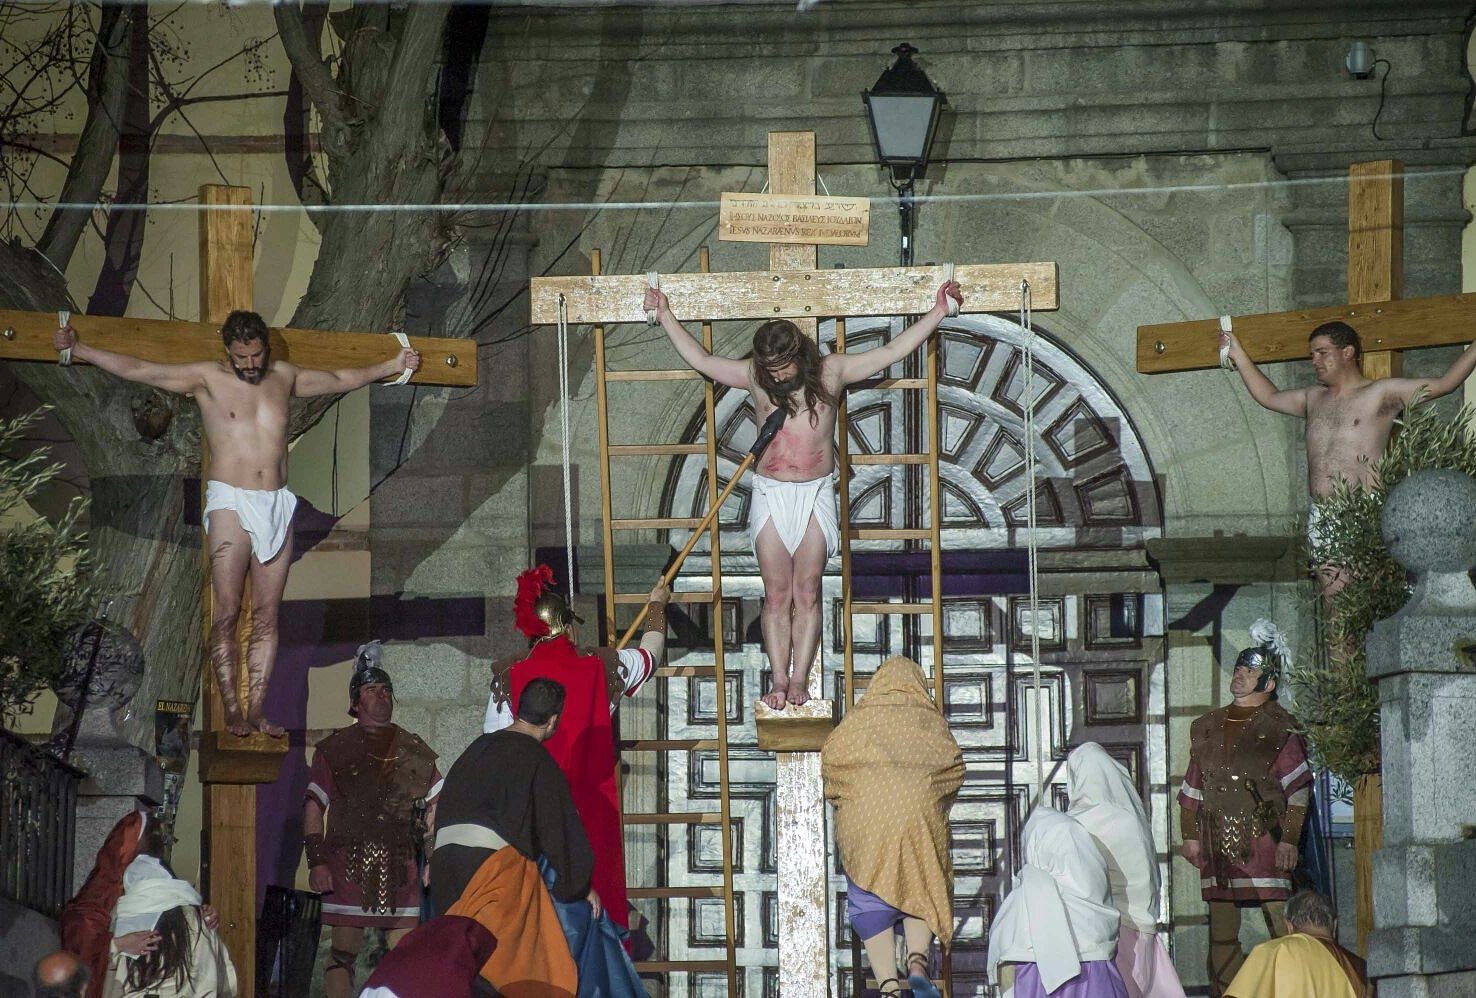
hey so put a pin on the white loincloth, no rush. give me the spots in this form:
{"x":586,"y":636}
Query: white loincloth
{"x":790,"y":505}
{"x":1317,"y":534}
{"x":265,"y":514}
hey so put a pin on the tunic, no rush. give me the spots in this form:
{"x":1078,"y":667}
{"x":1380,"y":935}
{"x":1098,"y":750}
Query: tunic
{"x":368,"y":780}
{"x":507,"y":781}
{"x":1235,"y":797}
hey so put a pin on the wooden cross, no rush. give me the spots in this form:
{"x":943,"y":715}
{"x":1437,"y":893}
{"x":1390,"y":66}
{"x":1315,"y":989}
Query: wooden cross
{"x":1386,"y":326}
{"x":231,"y":766}
{"x":794,"y":289}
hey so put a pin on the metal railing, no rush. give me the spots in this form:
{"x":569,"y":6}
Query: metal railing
{"x":38,"y":816}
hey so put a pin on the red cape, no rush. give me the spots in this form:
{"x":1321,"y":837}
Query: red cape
{"x":449,"y":950}
{"x":86,"y":920}
{"x":584,"y":748}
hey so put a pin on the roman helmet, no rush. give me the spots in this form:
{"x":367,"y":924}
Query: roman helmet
{"x":538,"y":610}
{"x":367,"y":670}
{"x":1269,"y":655}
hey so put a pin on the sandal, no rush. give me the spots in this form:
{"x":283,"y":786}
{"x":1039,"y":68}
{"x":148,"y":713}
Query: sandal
{"x":922,"y":986}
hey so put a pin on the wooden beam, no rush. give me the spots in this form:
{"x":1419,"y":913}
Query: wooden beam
{"x":228,"y":853}
{"x":1376,"y":247}
{"x":1273,"y":336}
{"x":27,"y":336}
{"x":800,"y":294}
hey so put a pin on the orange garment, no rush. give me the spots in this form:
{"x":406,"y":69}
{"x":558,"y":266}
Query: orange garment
{"x":86,"y":920}
{"x":507,"y":896}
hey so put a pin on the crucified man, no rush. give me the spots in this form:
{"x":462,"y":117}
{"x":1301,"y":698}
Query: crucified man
{"x":792,"y":520}
{"x":1349,"y":419}
{"x":243,"y":403}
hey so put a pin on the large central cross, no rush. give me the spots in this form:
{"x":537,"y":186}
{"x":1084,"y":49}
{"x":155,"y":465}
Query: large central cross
{"x":794,"y":289}
{"x":231,"y":767}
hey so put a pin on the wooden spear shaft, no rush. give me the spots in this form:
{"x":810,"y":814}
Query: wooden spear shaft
{"x":766,"y":434}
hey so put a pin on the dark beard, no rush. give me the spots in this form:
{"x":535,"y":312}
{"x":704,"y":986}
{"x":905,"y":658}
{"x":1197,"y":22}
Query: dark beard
{"x":251,"y":377}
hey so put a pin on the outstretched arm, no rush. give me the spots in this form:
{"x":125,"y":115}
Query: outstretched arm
{"x":1291,"y":401}
{"x":723,"y":370}
{"x":337,"y":382}
{"x":182,"y":378}
{"x":1455,"y":375}
{"x":855,"y":367}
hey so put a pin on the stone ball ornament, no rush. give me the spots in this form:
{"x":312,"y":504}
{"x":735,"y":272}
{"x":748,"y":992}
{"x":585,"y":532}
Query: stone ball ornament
{"x":117,"y":672}
{"x":1429,"y":521}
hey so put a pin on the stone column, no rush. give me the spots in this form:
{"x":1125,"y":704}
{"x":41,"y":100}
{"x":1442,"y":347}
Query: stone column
{"x":1421,"y":659}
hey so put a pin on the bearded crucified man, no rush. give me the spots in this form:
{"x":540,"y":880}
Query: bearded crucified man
{"x":1349,"y":419}
{"x":792,"y":520}
{"x":248,"y":512}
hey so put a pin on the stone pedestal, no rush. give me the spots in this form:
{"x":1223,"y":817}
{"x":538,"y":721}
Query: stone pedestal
{"x":1421,"y":658}
{"x":118,"y":774}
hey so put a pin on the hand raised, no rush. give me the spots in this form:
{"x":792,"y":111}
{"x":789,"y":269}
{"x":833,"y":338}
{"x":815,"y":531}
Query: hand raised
{"x":64,"y":338}
{"x":409,"y":360}
{"x":949,"y":289}
{"x":140,"y":943}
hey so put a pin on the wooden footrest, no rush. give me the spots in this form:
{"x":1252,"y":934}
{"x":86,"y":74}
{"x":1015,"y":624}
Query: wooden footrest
{"x":890,"y":534}
{"x":675,"y":671}
{"x":668,"y":744}
{"x":708,"y":891}
{"x":678,"y":966}
{"x":796,"y":728}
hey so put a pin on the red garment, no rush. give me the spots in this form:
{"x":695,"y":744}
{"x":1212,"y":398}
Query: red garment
{"x":449,"y":950}
{"x":584,"y":748}
{"x":87,"y":919}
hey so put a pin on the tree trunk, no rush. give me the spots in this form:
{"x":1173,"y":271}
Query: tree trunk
{"x":147,"y":559}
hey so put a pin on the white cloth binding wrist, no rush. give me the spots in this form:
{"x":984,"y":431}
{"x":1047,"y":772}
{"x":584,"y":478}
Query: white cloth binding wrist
{"x":62,"y":318}
{"x":405,"y":374}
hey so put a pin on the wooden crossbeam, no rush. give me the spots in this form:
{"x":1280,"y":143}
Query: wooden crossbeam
{"x":795,"y":294}
{"x":27,"y":336}
{"x":1274,"y":336}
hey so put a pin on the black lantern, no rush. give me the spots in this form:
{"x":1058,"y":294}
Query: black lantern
{"x":903,"y":108}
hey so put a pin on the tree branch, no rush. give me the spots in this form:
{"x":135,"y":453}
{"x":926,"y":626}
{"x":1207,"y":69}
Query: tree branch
{"x":98,"y":142}
{"x":306,"y":57}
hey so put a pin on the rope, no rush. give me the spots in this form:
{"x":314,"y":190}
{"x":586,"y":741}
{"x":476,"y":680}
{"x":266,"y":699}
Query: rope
{"x":948,"y":272}
{"x":1032,"y":546}
{"x":653,"y":280}
{"x":62,"y":318}
{"x":564,"y":436}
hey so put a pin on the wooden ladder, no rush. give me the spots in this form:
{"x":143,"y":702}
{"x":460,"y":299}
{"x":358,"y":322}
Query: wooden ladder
{"x":932,"y":535}
{"x":713,"y":598}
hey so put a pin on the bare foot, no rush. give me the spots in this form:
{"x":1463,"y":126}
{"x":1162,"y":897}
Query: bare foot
{"x":799,"y":686}
{"x":775,"y":698}
{"x":268,"y":728}
{"x":237,"y":725}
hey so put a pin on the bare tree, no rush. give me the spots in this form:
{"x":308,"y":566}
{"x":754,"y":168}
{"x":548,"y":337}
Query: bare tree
{"x":376,"y":109}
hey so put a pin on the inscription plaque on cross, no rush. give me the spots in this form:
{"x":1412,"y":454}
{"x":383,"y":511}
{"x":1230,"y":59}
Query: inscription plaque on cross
{"x":231,"y":766}
{"x":794,"y":289}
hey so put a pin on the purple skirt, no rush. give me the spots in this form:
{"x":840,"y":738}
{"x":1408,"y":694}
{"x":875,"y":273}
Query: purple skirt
{"x":868,"y":913}
{"x":1098,"y":979}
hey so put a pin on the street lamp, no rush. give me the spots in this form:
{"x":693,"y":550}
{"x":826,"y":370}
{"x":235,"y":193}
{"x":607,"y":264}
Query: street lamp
{"x":903,"y":108}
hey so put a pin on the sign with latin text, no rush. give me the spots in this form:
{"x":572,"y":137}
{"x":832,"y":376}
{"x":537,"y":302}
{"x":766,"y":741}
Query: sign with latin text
{"x":786,"y":218}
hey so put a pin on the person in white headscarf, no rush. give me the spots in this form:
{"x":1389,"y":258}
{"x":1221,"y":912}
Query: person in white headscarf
{"x":1105,"y":803}
{"x":1057,"y":929}
{"x":162,"y":946}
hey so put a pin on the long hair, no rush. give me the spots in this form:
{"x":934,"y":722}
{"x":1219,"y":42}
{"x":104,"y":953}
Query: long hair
{"x":171,"y":962}
{"x":777,"y":343}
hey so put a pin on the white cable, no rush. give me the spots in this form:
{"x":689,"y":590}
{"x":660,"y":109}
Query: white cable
{"x":62,"y":319}
{"x":1032,"y":546}
{"x":948,"y":272}
{"x":653,"y":281}
{"x":564,"y":435}
{"x":405,"y":343}
{"x":1225,"y":361}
